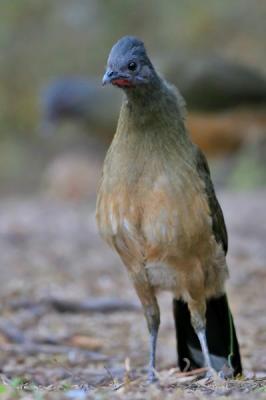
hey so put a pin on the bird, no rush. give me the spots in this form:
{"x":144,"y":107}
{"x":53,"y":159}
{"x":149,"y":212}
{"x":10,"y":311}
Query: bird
{"x":156,"y":207}
{"x":77,"y":98}
{"x":212,"y":83}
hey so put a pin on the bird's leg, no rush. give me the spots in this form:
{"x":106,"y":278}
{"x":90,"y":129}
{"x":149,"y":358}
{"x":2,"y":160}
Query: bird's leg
{"x":197,"y":306}
{"x":198,"y":321}
{"x":153,"y":321}
{"x":204,"y":347}
{"x":152,"y":313}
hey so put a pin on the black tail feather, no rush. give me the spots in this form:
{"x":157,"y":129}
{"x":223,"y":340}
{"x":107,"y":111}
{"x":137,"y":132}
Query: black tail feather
{"x":221,"y":337}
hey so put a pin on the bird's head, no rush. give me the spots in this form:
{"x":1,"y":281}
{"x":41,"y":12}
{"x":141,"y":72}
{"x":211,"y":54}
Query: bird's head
{"x":128,"y":65}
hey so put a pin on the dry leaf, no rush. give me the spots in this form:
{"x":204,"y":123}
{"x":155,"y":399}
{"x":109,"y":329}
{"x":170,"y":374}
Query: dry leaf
{"x":85,"y":342}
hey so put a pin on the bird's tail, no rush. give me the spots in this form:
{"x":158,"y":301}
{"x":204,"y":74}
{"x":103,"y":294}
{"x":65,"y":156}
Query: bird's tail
{"x":221,"y":337}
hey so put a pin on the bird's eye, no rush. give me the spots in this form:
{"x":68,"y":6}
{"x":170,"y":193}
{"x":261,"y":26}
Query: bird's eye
{"x":132,"y":66}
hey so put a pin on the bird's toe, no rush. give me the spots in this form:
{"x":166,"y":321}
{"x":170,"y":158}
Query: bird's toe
{"x":151,"y":378}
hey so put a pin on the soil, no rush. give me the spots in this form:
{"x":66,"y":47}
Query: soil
{"x":51,"y":253}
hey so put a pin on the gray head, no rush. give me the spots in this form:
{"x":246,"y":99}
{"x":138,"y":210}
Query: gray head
{"x":128,"y":65}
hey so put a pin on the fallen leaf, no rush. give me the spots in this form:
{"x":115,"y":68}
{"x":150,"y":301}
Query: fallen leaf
{"x":85,"y":342}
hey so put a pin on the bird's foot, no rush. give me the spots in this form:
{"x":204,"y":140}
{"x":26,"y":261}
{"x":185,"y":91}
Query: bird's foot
{"x":151,"y":378}
{"x":226,"y":373}
{"x":212,"y":374}
{"x":222,"y":375}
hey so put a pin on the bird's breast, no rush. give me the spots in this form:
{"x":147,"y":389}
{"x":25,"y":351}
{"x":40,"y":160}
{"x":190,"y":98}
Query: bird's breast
{"x":152,"y":221}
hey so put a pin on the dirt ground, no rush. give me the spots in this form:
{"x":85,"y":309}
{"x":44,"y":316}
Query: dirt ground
{"x":53,"y":260}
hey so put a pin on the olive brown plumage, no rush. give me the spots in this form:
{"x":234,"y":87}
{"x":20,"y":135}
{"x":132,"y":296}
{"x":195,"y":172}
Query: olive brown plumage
{"x":157,"y":208}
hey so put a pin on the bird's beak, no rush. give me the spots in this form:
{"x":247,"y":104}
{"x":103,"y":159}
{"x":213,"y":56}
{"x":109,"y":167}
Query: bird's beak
{"x":119,"y":79}
{"x":109,"y":76}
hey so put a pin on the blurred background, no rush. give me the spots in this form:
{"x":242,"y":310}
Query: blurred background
{"x":214,"y":51}
{"x":56,"y":122}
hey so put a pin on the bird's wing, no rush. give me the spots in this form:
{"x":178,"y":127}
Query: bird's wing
{"x":218,"y":224}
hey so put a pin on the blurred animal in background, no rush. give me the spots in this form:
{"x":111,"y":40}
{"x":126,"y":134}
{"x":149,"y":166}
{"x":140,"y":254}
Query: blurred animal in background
{"x":216,"y":84}
{"x":226,"y":100}
{"x":82,"y":100}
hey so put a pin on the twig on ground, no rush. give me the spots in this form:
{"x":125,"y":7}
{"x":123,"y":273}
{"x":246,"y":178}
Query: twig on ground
{"x":90,"y":305}
{"x":29,"y":348}
{"x":194,"y":372}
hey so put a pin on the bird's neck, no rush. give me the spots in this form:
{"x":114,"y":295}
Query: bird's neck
{"x":146,"y":96}
{"x":150,"y":137}
{"x":154,"y":113}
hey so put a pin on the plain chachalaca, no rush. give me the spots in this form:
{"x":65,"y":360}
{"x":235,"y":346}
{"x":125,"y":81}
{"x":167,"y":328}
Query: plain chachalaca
{"x":82,"y":100}
{"x":211,"y":83}
{"x":157,"y":208}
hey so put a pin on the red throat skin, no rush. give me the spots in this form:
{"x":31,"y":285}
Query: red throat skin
{"x":120,"y":82}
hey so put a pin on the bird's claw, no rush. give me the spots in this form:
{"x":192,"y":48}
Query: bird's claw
{"x":211,"y":374}
{"x":151,"y":378}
